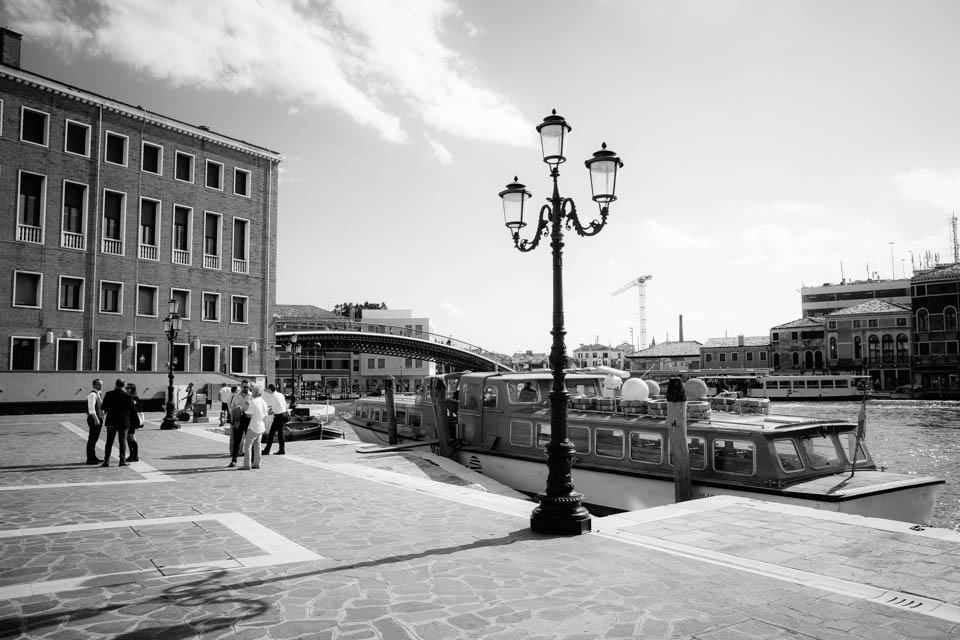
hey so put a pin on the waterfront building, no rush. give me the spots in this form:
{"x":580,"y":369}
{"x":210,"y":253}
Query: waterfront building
{"x":111,"y":211}
{"x":798,"y":346}
{"x":408,"y":372}
{"x":314,"y":371}
{"x":529,"y":361}
{"x":816,"y":302}
{"x":936,"y":300}
{"x":596,"y":355}
{"x":740,"y":352}
{"x":666,"y":359}
{"x":871,"y":338}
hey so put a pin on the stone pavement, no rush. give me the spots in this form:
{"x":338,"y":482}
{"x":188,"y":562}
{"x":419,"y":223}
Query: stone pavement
{"x":328,"y":543}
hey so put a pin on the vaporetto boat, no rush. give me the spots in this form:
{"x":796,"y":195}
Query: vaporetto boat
{"x":623,"y":459}
{"x":811,"y":387}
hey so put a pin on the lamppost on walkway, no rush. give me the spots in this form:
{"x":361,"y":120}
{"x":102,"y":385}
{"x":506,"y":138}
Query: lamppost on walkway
{"x":560,"y":510}
{"x":171,"y":326}
{"x":295,"y":348}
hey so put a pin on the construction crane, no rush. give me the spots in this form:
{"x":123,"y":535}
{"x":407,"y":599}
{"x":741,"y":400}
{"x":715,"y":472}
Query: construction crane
{"x":641,"y":284}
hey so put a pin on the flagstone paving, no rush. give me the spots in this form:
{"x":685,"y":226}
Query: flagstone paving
{"x":329,"y":543}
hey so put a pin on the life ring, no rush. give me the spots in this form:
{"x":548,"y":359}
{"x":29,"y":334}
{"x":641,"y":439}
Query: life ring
{"x":753,"y":405}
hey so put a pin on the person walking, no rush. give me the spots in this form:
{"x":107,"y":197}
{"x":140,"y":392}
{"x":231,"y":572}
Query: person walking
{"x":238,"y":420}
{"x":224,"y":396}
{"x":119,"y":406}
{"x":256,"y":412}
{"x":278,"y":405}
{"x":94,"y":421}
{"x":135,"y":423}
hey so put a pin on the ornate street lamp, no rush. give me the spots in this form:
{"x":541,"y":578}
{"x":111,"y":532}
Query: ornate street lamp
{"x":172,"y":325}
{"x":560,"y":510}
{"x":295,"y":348}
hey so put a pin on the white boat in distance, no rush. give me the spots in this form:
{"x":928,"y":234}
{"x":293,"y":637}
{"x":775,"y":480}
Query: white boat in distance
{"x":500,"y":424}
{"x":844,"y":386}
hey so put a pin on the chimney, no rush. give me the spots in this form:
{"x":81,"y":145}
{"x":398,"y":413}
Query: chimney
{"x":681,"y":327}
{"x":740,"y":340}
{"x":10,"y":48}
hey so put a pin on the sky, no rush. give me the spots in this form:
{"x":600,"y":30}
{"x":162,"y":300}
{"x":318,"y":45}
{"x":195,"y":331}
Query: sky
{"x":767,"y":145}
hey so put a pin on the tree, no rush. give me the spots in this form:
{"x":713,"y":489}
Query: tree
{"x":354,"y":310}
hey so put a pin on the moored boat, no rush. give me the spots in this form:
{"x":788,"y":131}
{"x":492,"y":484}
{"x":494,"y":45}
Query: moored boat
{"x":623,"y":459}
{"x":811,"y":387}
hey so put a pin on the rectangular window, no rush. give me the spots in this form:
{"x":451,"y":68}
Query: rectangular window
{"x":709,"y":357}
{"x":182,"y":296}
{"x":211,"y":240}
{"x":209,"y":355}
{"x":238,"y":309}
{"x":733,"y":456}
{"x":68,"y":355}
{"x":734,"y":356}
{"x":609,"y":443}
{"x":74,"y":214}
{"x":151,"y":158}
{"x":184,"y":167}
{"x":108,"y":355}
{"x":34,"y":126}
{"x":872,"y":323}
{"x":832,"y":324}
{"x":31,"y":203}
{"x":115,"y":149}
{"x":856,"y":324}
{"x":521,"y":433}
{"x":901,"y":322}
{"x":646,"y":447}
{"x":241,"y":245}
{"x":763,"y":356}
{"x":147,"y":300}
{"x":76,"y":138}
{"x":71,"y":293}
{"x":24,"y":353}
{"x":749,"y":356}
{"x":580,"y":437}
{"x":238,"y":359}
{"x":111,"y":297}
{"x":181,"y":235}
{"x":723,"y":357}
{"x":149,"y":223}
{"x":381,"y":363}
{"x":241,"y":182}
{"x":144,"y":355}
{"x":27,"y":289}
{"x":114,"y":211}
{"x":214,"y":175}
{"x":370,"y":363}
{"x":211,"y":307}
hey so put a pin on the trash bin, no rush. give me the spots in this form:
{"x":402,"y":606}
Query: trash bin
{"x":199,"y":411}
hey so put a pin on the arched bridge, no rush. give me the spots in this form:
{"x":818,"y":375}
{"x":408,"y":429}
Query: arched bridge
{"x":394,"y":341}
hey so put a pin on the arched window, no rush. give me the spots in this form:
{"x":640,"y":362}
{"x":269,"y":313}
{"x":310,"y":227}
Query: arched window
{"x":796,"y":360}
{"x":857,"y":348}
{"x":818,"y":359}
{"x":887,"y":348}
{"x":808,"y":360}
{"x":923,"y":320}
{"x":873,"y":346}
{"x":902,"y":353}
{"x":950,"y":319}
{"x":833,"y":348}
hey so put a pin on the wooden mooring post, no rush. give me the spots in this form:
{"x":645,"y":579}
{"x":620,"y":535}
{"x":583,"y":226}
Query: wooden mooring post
{"x":677,"y":423}
{"x":391,"y":411}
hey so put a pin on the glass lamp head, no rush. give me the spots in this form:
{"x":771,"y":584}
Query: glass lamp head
{"x":514,"y":197}
{"x":553,"y":133}
{"x":603,"y":168}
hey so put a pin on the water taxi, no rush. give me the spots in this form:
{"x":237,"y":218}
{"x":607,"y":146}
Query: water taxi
{"x":499,"y":424}
{"x":811,"y":387}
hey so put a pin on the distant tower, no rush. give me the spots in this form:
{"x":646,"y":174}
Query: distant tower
{"x":953,"y":238}
{"x":641,"y":284}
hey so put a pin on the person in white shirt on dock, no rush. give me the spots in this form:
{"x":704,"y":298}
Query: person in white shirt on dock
{"x":257,"y":410}
{"x":278,"y":405}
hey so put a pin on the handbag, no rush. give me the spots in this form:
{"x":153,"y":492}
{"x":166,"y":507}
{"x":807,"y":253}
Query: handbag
{"x":140,"y":418}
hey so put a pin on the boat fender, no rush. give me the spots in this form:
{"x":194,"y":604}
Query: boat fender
{"x":698,"y":409}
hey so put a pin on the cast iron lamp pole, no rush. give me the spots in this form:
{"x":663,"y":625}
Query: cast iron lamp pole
{"x":560,"y":511}
{"x":294,"y":352}
{"x":171,"y":326}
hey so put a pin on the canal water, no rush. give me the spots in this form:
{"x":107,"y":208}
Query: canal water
{"x":919,"y":437}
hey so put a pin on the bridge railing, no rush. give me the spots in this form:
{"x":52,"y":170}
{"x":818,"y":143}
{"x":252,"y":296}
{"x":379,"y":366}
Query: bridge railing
{"x":346,"y":324}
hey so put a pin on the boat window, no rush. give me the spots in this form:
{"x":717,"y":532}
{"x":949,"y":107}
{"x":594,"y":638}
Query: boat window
{"x":826,"y":384}
{"x":813,"y":384}
{"x":543,"y":435}
{"x":770,"y":384}
{"x":842,"y":384}
{"x":401,"y":418}
{"x":470,"y":396}
{"x":646,"y":447}
{"x":799,"y":384}
{"x":788,"y":456}
{"x":847,"y":442}
{"x":609,"y":443}
{"x":580,"y":437}
{"x":490,"y":397}
{"x":415,"y":419}
{"x":697,"y":448}
{"x":821,"y":451}
{"x":582,"y":388}
{"x":524,"y":392}
{"x":375,"y":415}
{"x":733,"y":456}
{"x":364,"y":413}
{"x":784,"y":384}
{"x":521,"y":433}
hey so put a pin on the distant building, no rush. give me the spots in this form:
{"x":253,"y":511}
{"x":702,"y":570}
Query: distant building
{"x":798,"y":346}
{"x":663,"y":360}
{"x":317,"y":370}
{"x":408,"y":372}
{"x":816,"y":302}
{"x":740,"y":352}
{"x":872,"y":338}
{"x":597,"y":355}
{"x":936,"y":299}
{"x":528,"y":361}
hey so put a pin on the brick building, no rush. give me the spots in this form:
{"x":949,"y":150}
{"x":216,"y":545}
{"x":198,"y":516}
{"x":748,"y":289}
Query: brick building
{"x":740,"y":352}
{"x":110,"y":211}
{"x":871,"y":338}
{"x":936,"y":337}
{"x":798,"y":346}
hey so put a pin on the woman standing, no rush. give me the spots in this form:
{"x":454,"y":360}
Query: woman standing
{"x":135,"y":424}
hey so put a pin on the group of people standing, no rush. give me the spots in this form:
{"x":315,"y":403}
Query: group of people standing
{"x":251,"y":411}
{"x":119,"y":411}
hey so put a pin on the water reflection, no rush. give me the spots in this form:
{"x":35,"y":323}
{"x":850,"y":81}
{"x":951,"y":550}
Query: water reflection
{"x":918,"y":437}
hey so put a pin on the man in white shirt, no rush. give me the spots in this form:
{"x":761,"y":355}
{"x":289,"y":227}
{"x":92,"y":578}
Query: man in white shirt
{"x":224,"y":396}
{"x":94,"y":421}
{"x":278,"y":405}
{"x":256,"y":411}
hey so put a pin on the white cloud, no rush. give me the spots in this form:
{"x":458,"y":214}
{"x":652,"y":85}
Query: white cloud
{"x":366,"y":59}
{"x":453,"y":309}
{"x":438,"y":151}
{"x":941,"y":189}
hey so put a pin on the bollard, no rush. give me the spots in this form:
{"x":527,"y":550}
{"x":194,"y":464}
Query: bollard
{"x":677,"y":423}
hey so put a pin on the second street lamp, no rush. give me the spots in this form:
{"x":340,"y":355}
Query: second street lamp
{"x":560,"y":510}
{"x":295,"y":348}
{"x":172,"y":325}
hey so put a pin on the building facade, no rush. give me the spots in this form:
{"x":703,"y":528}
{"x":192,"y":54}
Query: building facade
{"x":798,"y":346}
{"x":871,"y":338}
{"x":111,"y":211}
{"x":936,"y":300}
{"x":597,"y":355}
{"x":740,"y":352}
{"x":306,"y":369}
{"x":407,"y":372}
{"x":817,"y":302}
{"x":666,"y":359}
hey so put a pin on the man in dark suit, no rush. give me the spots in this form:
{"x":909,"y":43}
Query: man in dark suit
{"x":119,"y":406}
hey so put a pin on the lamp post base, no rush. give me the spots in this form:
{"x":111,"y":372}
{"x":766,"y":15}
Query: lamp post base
{"x":560,"y":516}
{"x":169,"y":423}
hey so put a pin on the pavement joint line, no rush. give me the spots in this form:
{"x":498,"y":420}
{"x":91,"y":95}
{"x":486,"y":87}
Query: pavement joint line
{"x":918,"y":604}
{"x":279,"y":550}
